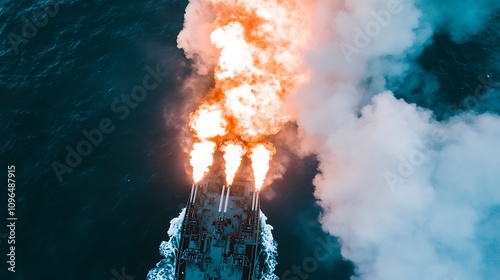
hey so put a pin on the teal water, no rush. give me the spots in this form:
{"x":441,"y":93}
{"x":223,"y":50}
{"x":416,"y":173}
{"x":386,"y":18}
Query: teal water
{"x":113,"y":210}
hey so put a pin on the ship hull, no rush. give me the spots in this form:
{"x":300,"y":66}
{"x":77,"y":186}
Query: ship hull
{"x":220,"y":233}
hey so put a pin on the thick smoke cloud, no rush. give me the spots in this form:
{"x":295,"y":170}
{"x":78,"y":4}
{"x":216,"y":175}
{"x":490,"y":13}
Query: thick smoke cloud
{"x":409,"y":197}
{"x":194,"y":38}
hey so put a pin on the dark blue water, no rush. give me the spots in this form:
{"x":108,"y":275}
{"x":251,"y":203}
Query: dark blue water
{"x":113,"y":210}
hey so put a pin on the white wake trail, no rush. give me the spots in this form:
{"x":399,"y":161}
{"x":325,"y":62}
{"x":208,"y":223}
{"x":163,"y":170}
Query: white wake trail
{"x":268,"y":251}
{"x":165,"y":269}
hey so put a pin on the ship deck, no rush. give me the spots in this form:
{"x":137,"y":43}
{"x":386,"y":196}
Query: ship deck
{"x":219,"y":245}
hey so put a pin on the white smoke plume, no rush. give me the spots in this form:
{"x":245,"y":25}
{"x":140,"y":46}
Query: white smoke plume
{"x":194,"y":38}
{"x":409,"y":197}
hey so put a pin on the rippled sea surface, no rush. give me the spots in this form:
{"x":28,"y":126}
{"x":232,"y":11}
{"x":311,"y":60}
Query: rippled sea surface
{"x":111,"y":212}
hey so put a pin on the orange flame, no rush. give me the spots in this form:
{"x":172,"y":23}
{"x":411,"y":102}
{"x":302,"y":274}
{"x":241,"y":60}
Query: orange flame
{"x":260,"y":43}
{"x":208,"y":121}
{"x":261,"y":156}
{"x":233,"y":153}
{"x":201,"y":159}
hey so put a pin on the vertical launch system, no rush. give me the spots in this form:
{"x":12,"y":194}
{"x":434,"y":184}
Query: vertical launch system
{"x":220,"y":232}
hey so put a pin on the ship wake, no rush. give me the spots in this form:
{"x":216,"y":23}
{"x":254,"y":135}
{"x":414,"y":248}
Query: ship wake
{"x":268,"y":251}
{"x":165,"y":269}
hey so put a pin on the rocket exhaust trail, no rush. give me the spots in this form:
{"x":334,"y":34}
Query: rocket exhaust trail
{"x":258,"y":46}
{"x":257,"y":53}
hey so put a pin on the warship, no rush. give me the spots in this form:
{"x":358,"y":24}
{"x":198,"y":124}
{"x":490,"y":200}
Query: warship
{"x":220,"y":232}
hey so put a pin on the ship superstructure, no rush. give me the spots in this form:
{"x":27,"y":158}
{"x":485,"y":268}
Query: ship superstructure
{"x":220,"y":232}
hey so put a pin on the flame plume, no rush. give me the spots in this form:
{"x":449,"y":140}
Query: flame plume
{"x":261,"y":156}
{"x":201,"y":159}
{"x":208,"y":121}
{"x":233,"y":153}
{"x":259,"y":43}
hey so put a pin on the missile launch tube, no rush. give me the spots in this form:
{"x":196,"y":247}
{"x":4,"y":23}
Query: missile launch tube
{"x":221,"y":198}
{"x":257,"y":201}
{"x":227,"y":198}
{"x":253,"y":200}
{"x":191,"y":195}
{"x":195,"y":192}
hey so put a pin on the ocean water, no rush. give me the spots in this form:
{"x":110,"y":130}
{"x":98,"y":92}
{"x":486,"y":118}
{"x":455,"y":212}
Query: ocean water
{"x":109,"y":215}
{"x":113,"y":209}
